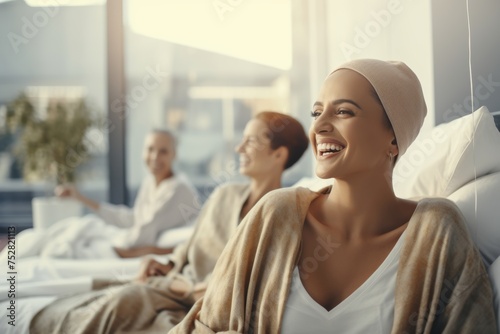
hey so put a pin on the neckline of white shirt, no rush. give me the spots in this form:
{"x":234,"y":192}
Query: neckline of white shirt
{"x":358,"y":293}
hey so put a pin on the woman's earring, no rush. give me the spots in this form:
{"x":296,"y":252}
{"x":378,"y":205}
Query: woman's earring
{"x":390,"y":156}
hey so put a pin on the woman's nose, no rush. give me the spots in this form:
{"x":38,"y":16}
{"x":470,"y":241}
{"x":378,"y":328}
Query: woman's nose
{"x":153,"y":155}
{"x":322,"y":124}
{"x":239,"y":147}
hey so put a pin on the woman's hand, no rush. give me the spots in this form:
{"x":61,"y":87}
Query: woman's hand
{"x":151,"y":267}
{"x":140,"y":251}
{"x":70,"y":191}
{"x":67,"y":190}
{"x":199,"y":290}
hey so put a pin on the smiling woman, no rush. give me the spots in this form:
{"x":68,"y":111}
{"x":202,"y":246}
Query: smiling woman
{"x":276,"y":130}
{"x":272,"y":142}
{"x":351,"y":258}
{"x":159,"y":153}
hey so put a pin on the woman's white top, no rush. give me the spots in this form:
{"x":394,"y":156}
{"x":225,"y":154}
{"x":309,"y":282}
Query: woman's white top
{"x":369,"y":309}
{"x":156,"y":209}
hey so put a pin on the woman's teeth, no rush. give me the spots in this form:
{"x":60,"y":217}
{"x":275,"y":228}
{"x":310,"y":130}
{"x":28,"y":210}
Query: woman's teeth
{"x":327,"y":149}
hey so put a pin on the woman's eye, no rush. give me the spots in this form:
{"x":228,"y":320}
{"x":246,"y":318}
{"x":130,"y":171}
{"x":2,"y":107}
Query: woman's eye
{"x":345,"y":112}
{"x":250,"y":142}
{"x":315,"y":114}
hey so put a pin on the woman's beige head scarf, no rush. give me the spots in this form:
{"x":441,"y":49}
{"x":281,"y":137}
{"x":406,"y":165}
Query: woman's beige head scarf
{"x":399,"y":91}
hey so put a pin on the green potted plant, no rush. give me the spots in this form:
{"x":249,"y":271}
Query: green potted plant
{"x":50,"y":147}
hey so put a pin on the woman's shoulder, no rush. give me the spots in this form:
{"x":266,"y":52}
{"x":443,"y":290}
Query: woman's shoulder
{"x":292,"y":199}
{"x":181,"y":180}
{"x":230,"y":188}
{"x":280,"y":210}
{"x":439,"y":206}
{"x":437,"y":214}
{"x":228,"y":191}
{"x":287,"y":194}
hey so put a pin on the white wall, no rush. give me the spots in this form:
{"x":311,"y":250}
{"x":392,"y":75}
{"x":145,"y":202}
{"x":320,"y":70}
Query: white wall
{"x":432,"y":38}
{"x":451,"y":63}
{"x":33,"y":51}
{"x":384,"y":29}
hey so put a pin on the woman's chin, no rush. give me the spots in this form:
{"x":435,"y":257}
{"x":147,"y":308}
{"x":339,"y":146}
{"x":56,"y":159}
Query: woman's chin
{"x":161,"y":175}
{"x":324,"y":174}
{"x":248,"y":172}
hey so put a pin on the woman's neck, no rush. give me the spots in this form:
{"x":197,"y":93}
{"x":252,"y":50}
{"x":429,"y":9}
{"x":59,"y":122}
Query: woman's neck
{"x":362,"y":207}
{"x":258,"y":188}
{"x":159,"y":179}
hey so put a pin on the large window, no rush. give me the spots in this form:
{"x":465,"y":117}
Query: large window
{"x":203,"y":69}
{"x":50,"y":54}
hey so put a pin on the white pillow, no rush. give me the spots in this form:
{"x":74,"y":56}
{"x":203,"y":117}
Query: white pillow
{"x":441,"y":162}
{"x":485,"y":227}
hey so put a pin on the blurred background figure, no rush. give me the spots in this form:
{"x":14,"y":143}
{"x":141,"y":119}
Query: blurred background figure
{"x":124,"y":231}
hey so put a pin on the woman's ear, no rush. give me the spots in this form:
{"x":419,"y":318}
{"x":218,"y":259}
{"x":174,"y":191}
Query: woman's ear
{"x":395,"y":150}
{"x":281,"y":153}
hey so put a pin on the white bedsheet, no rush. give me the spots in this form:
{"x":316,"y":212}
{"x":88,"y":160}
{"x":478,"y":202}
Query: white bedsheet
{"x":45,"y":276}
{"x":26,"y":308}
{"x":52,"y":288}
{"x":36,"y":269}
{"x":57,"y":277}
{"x":70,"y":238}
{"x":41,"y":280}
{"x":85,"y":237}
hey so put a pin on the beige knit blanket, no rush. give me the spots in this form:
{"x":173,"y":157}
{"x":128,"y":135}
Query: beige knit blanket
{"x":154,"y":307}
{"x":442,"y":285}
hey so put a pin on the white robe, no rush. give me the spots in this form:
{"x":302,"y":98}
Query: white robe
{"x":156,"y":209}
